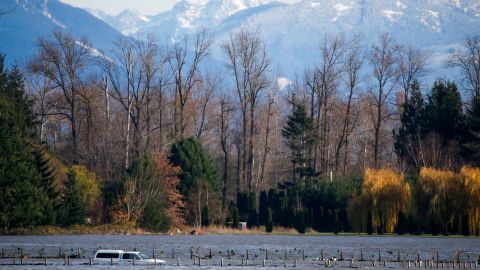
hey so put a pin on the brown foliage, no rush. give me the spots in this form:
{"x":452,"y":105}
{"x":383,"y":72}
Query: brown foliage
{"x":168,"y":177}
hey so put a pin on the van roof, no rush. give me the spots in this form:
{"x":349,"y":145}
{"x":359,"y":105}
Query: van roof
{"x":110,"y":250}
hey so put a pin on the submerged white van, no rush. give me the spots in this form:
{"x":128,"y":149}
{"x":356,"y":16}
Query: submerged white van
{"x":120,"y":256}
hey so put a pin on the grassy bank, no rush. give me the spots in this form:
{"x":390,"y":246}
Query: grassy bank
{"x":109,"y":229}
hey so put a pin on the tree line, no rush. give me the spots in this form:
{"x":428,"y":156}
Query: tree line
{"x":153,"y":135}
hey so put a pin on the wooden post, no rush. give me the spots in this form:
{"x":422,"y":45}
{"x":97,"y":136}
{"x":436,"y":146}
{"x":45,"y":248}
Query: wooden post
{"x":303,"y":254}
{"x":221,"y":262}
{"x":361,"y":255}
{"x":264,"y":263}
{"x":21,"y":252}
{"x":178,"y":261}
{"x":191,"y":254}
{"x":210,"y":255}
{"x":21,"y":260}
{"x":285,"y":254}
{"x":66,"y":262}
{"x":111,"y":261}
{"x":199,"y":261}
{"x":351,"y":262}
{"x":153,"y":252}
{"x":173,"y":254}
{"x":398,"y":255}
{"x":408,"y":264}
{"x":341,"y":254}
{"x":285,"y":263}
{"x":321,"y":253}
{"x":295,"y":263}
{"x":59,"y":253}
{"x":266,"y":254}
{"x":242,"y":263}
{"x":247,"y":254}
{"x":78,"y":253}
{"x":379,"y":256}
{"x":45,"y":260}
{"x":133,"y":260}
{"x":385,"y":263}
{"x":90,"y":260}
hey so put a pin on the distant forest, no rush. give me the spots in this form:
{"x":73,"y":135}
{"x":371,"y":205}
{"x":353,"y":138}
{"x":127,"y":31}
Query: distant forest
{"x":153,"y":136}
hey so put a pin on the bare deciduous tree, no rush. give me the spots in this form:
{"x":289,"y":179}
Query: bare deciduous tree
{"x":468,"y":61}
{"x":384,"y":61}
{"x":248,"y":61}
{"x":63,"y":60}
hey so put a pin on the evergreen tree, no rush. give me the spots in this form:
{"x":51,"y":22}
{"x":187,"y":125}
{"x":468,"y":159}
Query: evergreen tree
{"x":205,"y":216}
{"x":471,"y":144}
{"x":196,"y":166}
{"x":412,"y":124}
{"x":262,"y":208}
{"x":252,"y":214}
{"x":300,"y":222}
{"x":269,"y":221}
{"x":155,"y":218}
{"x":23,"y":198}
{"x":444,"y":112}
{"x":298,"y":133}
{"x":73,"y":211}
{"x":235,"y":218}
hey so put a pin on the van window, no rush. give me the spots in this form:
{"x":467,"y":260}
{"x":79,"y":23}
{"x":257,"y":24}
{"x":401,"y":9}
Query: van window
{"x":127,"y":256}
{"x":105,"y":255}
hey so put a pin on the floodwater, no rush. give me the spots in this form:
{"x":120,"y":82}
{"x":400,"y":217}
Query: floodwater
{"x":242,"y":251}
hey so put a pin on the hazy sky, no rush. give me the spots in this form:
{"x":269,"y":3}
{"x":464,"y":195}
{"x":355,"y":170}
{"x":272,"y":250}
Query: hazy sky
{"x":149,"y":7}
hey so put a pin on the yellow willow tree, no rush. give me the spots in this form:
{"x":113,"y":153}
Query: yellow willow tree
{"x":440,"y":200}
{"x":385,"y":193}
{"x":471,"y":181}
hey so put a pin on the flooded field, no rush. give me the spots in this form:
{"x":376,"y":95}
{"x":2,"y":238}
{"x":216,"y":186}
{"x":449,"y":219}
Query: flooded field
{"x":243,"y":252}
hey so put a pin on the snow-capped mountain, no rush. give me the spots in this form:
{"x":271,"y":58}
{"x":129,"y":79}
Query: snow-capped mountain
{"x":293,"y":32}
{"x":185,"y":16}
{"x":32,"y":19}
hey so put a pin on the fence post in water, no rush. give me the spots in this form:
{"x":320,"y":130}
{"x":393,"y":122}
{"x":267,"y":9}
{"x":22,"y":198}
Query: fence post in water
{"x":221,"y":262}
{"x":65,"y":260}
{"x":285,"y":263}
{"x":191,"y":254}
{"x":385,"y":263}
{"x":45,"y":260}
{"x":90,"y":260}
{"x":285,"y":254}
{"x":321,"y":253}
{"x":398,"y":255}
{"x":379,"y":256}
{"x":173,"y":254}
{"x":133,"y":260}
{"x":78,"y":253}
{"x":178,"y":261}
{"x":21,"y":252}
{"x":361,"y":255}
{"x":264,"y":263}
{"x":295,"y":263}
{"x":341,"y":254}
{"x":303,"y":254}
{"x":210,"y":255}
{"x":59,"y":253}
{"x":247,"y":254}
{"x":153,"y":252}
{"x":111,"y":261}
{"x":266,"y":254}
